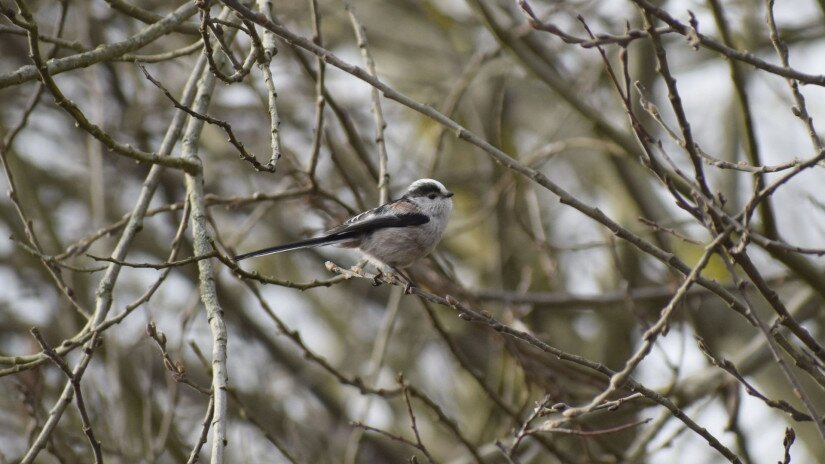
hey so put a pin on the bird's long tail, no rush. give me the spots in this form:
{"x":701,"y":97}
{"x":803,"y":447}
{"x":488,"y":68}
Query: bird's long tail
{"x":308,"y":243}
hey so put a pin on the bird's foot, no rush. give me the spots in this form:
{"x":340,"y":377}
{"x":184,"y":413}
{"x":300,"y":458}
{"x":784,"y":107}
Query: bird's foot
{"x":401,"y":277}
{"x":358,"y":267}
{"x":376,"y":281}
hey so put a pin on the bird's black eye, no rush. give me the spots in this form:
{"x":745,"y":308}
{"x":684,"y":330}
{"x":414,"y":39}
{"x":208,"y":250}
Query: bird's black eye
{"x":431,"y":196}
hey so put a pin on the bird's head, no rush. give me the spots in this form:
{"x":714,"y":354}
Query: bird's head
{"x":431,"y":196}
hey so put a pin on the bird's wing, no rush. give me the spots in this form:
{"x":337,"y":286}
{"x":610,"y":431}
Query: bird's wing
{"x":352,"y":229}
{"x":399,"y":213}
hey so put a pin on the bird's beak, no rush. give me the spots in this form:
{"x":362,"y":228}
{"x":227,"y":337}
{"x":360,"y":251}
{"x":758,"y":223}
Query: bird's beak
{"x":448,"y":194}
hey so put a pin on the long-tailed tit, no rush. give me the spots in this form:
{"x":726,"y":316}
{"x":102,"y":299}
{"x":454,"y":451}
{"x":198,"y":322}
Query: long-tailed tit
{"x":395,"y":234}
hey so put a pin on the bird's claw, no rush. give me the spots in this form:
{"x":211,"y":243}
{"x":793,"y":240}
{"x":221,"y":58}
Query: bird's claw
{"x":392,"y":278}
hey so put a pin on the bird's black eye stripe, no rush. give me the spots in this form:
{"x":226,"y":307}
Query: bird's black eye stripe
{"x":425,"y":190}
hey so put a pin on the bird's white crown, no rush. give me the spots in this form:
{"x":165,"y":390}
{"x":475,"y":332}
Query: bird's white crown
{"x":433,"y":182}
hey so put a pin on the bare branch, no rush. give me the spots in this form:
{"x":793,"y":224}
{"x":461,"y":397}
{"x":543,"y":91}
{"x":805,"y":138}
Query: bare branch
{"x":74,"y":378}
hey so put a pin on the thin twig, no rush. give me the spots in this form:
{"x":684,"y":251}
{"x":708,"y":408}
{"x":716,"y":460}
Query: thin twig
{"x":377,"y":112}
{"x":742,"y":259}
{"x":227,"y":260}
{"x":204,"y":28}
{"x":159,"y":57}
{"x":751,"y":144}
{"x":730,"y":368}
{"x":295,"y":337}
{"x":389,"y":435}
{"x":148,"y":16}
{"x":180,"y":262}
{"x":522,"y":433}
{"x":596,"y":40}
{"x":374,"y":367}
{"x":787,"y":442}
{"x":269,"y":51}
{"x":320,"y":99}
{"x":418,"y":443}
{"x":70,"y":44}
{"x":451,"y":424}
{"x":28,"y":225}
{"x":697,"y":38}
{"x":74,"y":378}
{"x":656,"y":226}
{"x":207,"y":420}
{"x":589,"y":433}
{"x":176,"y":368}
{"x":218,"y":122}
{"x":676,"y":103}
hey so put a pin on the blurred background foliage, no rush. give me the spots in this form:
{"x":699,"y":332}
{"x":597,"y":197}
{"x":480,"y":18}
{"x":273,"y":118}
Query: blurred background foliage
{"x":511,"y":248}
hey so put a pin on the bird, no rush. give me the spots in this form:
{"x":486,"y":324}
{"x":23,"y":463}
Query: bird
{"x":392,"y":236}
